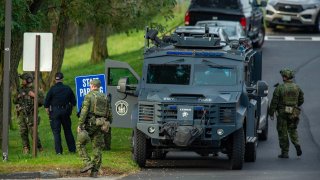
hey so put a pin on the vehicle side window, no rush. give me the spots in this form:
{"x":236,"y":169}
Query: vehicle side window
{"x":114,"y":74}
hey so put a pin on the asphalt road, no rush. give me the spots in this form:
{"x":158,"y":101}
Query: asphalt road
{"x":287,"y":50}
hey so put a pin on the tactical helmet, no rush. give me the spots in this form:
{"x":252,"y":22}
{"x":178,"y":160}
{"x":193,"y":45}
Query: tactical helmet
{"x":26,"y":76}
{"x":83,"y":137}
{"x":287,"y":73}
{"x":96,"y":82}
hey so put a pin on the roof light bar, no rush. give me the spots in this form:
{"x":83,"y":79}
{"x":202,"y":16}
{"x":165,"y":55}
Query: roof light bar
{"x":200,"y":54}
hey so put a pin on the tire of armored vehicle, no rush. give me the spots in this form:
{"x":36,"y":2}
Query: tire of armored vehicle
{"x":139,"y":147}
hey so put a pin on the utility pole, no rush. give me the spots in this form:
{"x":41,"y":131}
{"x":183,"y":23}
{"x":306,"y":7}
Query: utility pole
{"x":6,"y":81}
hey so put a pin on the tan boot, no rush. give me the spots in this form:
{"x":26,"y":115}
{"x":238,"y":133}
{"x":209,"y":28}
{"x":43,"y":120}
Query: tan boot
{"x":40,"y":149}
{"x":26,"y":150}
{"x":86,"y":168}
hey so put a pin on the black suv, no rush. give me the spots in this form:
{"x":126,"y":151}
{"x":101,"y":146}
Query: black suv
{"x":247,"y":12}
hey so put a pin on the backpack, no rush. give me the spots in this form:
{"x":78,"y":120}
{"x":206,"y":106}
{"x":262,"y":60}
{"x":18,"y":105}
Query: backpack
{"x":290,"y":94}
{"x":99,"y":104}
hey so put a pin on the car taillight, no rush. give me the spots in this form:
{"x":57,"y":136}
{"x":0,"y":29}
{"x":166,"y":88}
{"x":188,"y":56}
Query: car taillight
{"x":187,"y":19}
{"x":243,"y":22}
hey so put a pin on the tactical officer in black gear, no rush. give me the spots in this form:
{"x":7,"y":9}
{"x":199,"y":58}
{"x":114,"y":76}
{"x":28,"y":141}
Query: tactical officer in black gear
{"x":59,"y":103}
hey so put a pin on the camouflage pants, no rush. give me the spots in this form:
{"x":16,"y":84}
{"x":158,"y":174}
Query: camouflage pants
{"x":286,"y":128}
{"x":96,"y":136}
{"x":25,"y":123}
{"x":107,"y":139}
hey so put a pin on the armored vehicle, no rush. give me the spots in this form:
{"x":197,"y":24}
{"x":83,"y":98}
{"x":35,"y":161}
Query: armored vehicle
{"x":198,"y":92}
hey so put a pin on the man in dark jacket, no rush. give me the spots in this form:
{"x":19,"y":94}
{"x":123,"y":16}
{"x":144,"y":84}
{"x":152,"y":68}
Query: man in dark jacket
{"x":59,"y":103}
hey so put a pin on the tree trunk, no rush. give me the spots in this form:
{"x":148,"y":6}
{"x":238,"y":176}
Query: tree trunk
{"x":99,"y":49}
{"x":59,"y":33}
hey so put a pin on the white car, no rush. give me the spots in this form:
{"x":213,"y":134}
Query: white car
{"x":298,"y":13}
{"x":233,"y":29}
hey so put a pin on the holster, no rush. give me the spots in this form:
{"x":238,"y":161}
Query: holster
{"x":295,"y":113}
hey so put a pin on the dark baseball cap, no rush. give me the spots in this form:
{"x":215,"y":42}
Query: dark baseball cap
{"x":59,"y":76}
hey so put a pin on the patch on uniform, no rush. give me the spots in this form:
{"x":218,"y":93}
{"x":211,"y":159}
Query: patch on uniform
{"x":121,"y":107}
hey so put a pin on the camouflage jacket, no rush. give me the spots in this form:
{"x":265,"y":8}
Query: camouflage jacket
{"x":24,"y":102}
{"x":87,"y":109}
{"x":280,"y":97}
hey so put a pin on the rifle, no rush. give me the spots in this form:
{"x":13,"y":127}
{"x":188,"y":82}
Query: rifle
{"x":22,"y":106}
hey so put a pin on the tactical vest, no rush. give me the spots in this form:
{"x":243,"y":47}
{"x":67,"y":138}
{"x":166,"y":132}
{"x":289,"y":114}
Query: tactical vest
{"x":290,"y":94}
{"x":26,"y":101}
{"x":99,"y":104}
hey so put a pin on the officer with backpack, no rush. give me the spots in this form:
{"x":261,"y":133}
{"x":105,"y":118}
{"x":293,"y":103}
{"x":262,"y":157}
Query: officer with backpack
{"x":94,"y":121}
{"x":287,"y":98}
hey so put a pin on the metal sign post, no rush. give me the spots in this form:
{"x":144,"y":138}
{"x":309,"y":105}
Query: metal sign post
{"x":35,"y":104}
{"x":37,"y":56}
{"x":6,"y":82}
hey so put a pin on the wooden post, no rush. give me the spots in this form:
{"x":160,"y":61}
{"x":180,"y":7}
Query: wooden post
{"x":35,"y":110}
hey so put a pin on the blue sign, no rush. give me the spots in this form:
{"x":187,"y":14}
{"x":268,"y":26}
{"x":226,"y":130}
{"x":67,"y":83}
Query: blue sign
{"x":83,"y":86}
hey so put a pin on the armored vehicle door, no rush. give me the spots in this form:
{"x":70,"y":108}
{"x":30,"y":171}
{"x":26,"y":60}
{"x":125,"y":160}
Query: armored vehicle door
{"x":122,"y":82}
{"x":256,"y":71}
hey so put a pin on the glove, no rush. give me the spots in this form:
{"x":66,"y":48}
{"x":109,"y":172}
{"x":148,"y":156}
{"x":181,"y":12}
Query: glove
{"x":272,"y":118}
{"x":78,"y":129}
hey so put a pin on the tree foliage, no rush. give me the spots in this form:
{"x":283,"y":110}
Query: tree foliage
{"x":106,"y":16}
{"x":110,"y":16}
{"x":26,"y":17}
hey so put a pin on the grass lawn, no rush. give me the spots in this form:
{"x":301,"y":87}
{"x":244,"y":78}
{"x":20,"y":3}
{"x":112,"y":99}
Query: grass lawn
{"x":123,"y":47}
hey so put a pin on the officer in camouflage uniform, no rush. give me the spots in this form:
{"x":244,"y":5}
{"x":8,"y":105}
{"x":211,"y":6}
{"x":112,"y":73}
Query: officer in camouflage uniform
{"x":93,"y":122}
{"x":24,"y":100}
{"x":287,"y":98}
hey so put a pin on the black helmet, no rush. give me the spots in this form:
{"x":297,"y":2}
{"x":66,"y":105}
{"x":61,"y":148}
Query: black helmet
{"x":26,"y":76}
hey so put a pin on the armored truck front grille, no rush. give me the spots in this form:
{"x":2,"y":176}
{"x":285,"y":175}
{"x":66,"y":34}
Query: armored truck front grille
{"x":146,"y":112}
{"x":227,"y":113}
{"x":206,"y":113}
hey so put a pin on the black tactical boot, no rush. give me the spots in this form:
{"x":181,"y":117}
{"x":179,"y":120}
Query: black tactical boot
{"x":298,"y":148}
{"x":86,"y":168}
{"x":94,"y":174}
{"x":283,"y":156}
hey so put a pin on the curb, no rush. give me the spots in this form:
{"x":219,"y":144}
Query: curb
{"x":31,"y":175}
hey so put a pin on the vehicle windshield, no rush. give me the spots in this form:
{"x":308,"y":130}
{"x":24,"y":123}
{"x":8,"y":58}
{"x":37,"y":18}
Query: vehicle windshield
{"x":214,"y":75}
{"x":229,"y":29}
{"x":178,"y":74}
{"x":220,"y":4}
